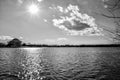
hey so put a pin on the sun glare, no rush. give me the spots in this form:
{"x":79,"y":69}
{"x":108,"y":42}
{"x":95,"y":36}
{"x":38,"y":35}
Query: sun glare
{"x":33,"y":9}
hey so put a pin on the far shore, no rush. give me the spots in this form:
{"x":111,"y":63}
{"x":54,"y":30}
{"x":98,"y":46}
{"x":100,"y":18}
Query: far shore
{"x":44,"y":45}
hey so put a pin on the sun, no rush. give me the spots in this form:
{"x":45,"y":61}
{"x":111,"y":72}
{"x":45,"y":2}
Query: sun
{"x":33,"y":9}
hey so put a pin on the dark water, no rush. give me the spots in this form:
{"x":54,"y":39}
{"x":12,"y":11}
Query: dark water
{"x":60,"y":63}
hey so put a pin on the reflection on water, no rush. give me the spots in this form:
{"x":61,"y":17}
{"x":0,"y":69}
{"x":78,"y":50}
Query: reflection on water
{"x":31,"y":65}
{"x":60,"y":64}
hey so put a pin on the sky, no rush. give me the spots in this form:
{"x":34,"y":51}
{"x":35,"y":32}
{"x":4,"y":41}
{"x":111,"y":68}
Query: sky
{"x":55,"y":21}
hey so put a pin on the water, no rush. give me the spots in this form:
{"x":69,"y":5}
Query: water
{"x":60,"y":63}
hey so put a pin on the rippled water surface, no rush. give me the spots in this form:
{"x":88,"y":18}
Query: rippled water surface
{"x":60,"y":63}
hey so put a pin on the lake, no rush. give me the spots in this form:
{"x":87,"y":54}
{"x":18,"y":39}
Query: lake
{"x":71,"y":63}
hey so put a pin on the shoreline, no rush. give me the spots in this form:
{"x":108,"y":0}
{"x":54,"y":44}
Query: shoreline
{"x":24,"y":46}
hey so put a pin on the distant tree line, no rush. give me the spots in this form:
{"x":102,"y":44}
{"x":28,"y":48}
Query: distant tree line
{"x":68,"y":45}
{"x":18,"y":43}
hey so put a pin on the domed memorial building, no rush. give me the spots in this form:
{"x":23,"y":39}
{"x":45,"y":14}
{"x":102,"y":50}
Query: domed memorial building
{"x":15,"y":43}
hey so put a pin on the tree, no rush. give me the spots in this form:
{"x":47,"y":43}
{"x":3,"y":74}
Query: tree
{"x":113,"y":7}
{"x":2,"y":45}
{"x":15,"y":43}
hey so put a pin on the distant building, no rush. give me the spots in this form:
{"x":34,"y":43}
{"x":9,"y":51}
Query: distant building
{"x":14,"y":43}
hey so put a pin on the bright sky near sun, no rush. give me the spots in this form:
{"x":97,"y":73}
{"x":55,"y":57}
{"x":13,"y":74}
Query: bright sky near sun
{"x":55,"y":21}
{"x":33,"y":9}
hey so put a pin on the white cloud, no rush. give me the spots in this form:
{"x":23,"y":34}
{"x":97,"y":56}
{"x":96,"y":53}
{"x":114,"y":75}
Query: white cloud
{"x":105,"y":6}
{"x":105,"y":0}
{"x":6,"y":38}
{"x":45,"y":20}
{"x":20,"y":38}
{"x":73,"y":14}
{"x":20,"y":1}
{"x":62,"y":39}
{"x":58,"y":40}
{"x":39,"y":0}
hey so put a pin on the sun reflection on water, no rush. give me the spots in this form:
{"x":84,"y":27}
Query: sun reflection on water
{"x":32,"y":66}
{"x":31,"y":50}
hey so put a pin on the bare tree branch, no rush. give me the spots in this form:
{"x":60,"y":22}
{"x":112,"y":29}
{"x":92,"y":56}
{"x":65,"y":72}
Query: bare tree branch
{"x":116,"y":4}
{"x":114,"y":17}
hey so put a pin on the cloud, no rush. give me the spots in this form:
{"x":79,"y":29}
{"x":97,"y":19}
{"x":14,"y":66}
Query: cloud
{"x":39,"y":0}
{"x":62,"y":39}
{"x":20,"y":38}
{"x":75,"y":23}
{"x":20,"y":1}
{"x":6,"y":38}
{"x":58,"y":40}
{"x":105,"y":0}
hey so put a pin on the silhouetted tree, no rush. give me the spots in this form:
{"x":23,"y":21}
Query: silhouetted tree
{"x":14,"y":43}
